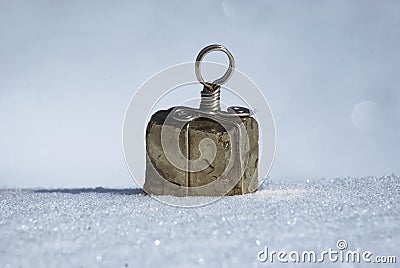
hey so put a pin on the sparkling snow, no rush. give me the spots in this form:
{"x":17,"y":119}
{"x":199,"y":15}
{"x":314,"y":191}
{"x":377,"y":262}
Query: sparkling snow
{"x":124,"y":228}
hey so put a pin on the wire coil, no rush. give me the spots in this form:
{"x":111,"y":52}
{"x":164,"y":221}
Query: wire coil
{"x":210,"y":95}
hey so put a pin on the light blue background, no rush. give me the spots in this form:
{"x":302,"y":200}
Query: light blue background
{"x":329,"y":69}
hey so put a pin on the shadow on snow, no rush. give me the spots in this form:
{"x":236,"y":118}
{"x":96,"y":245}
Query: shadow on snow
{"x":100,"y":190}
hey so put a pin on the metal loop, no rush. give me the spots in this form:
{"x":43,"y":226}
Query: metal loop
{"x":204,"y":52}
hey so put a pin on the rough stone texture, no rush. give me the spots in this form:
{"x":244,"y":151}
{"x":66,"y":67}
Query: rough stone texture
{"x":163,"y":178}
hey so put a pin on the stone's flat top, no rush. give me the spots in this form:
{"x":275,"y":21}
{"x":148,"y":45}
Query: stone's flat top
{"x":201,"y":123}
{"x":160,"y":116}
{"x":124,"y":228}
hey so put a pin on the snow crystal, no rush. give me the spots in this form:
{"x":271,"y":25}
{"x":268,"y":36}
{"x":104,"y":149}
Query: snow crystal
{"x":124,"y":228}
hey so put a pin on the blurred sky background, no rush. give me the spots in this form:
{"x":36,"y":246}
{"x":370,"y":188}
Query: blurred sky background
{"x":68,"y":69}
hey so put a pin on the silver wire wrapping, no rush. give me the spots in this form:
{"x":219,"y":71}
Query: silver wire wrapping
{"x":210,"y":98}
{"x":210,"y":95}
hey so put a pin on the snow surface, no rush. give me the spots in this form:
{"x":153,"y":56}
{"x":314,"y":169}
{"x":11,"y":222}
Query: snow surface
{"x":124,"y":228}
